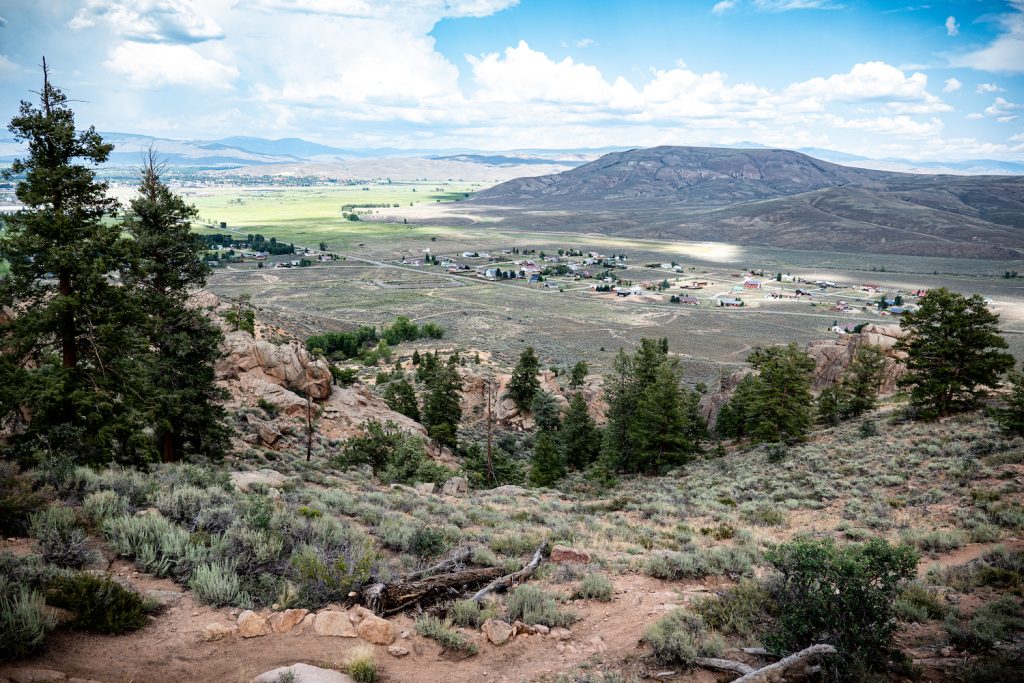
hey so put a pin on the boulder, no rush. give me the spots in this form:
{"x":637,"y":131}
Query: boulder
{"x":561,"y":554}
{"x":218,"y":631}
{"x":265,"y":477}
{"x":456,"y":486}
{"x":303,"y":673}
{"x":397,"y":651}
{"x":497,"y":632}
{"x":267,"y":432}
{"x":288,"y":365}
{"x":333,"y":623}
{"x":425,"y":488}
{"x":507,"y":490}
{"x":373,"y":629}
{"x":559,"y":633}
{"x":282,"y":622}
{"x":253,"y":624}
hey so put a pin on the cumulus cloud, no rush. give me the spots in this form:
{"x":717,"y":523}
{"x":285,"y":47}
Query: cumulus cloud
{"x":952,"y":85}
{"x":988,"y":88}
{"x":724,"y":6}
{"x":1006,"y":53}
{"x":3,"y":22}
{"x":868,"y":82}
{"x":952,"y":28}
{"x":893,"y":125}
{"x":150,"y":21}
{"x":1002,"y":110}
{"x":151,"y":65}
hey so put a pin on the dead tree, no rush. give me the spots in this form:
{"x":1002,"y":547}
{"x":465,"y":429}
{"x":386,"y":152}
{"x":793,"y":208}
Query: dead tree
{"x":773,"y":673}
{"x":507,"y":581}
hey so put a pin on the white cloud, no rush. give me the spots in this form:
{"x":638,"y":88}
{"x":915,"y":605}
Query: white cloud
{"x":892,"y":125}
{"x":3,"y":22}
{"x":988,"y":88}
{"x":1002,"y":110}
{"x":1006,"y":53}
{"x":151,"y":65}
{"x":1006,"y":119}
{"x":724,"y":6}
{"x":151,"y":21}
{"x":785,"y":5}
{"x":974,"y":116}
{"x":952,"y":85}
{"x":952,"y":28}
{"x":7,"y":67}
{"x":871,"y":81}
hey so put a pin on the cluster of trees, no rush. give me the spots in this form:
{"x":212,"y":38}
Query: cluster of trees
{"x":346,"y":345}
{"x":102,"y":352}
{"x":441,"y":411}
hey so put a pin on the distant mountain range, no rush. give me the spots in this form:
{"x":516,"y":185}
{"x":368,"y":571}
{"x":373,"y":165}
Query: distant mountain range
{"x":769,"y":197}
{"x":290,"y":154}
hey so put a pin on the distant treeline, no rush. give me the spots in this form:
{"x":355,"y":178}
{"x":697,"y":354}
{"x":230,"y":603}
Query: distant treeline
{"x":345,"y":345}
{"x":255,"y":242}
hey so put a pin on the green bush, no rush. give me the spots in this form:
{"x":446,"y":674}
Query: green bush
{"x":919,"y":603}
{"x":745,"y":610}
{"x":323,"y":575}
{"x":62,"y":541}
{"x":466,"y":613}
{"x":442,"y":631}
{"x":680,"y":637}
{"x":102,"y":505}
{"x":843,"y":596}
{"x":24,"y":621}
{"x":595,"y":587}
{"x":99,"y":603}
{"x":217,"y":584}
{"x":991,"y":623}
{"x":17,"y":500}
{"x":531,"y":605}
{"x":361,"y":665}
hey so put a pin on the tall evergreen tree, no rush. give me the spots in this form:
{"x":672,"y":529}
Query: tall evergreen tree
{"x":954,"y":352}
{"x":524,"y":385}
{"x":664,"y":428}
{"x":863,"y":379}
{"x":581,"y":440}
{"x":401,"y":398}
{"x":167,"y":265}
{"x":546,"y":413}
{"x":442,"y":411}
{"x":547,"y":465}
{"x":73,"y":338}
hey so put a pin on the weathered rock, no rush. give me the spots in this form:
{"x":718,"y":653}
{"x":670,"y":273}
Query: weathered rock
{"x":561,"y":554}
{"x":265,"y":477}
{"x":333,"y":623}
{"x":397,"y":651}
{"x":559,"y":633}
{"x":425,"y":488}
{"x":165,"y":598}
{"x":204,"y":300}
{"x":373,"y":629}
{"x":253,"y":624}
{"x":35,"y":676}
{"x":288,"y":365}
{"x":267,"y":431}
{"x":282,"y":622}
{"x":541,"y":629}
{"x":218,"y":631}
{"x":508,"y":490}
{"x":303,"y":673}
{"x":496,"y":631}
{"x":456,"y":486}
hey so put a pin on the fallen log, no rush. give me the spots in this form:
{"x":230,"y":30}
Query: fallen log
{"x":388,"y":598}
{"x":724,"y":665}
{"x":506,"y":582}
{"x":773,"y":673}
{"x":454,"y":562}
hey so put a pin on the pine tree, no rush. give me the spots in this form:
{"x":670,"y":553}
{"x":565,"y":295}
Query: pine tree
{"x":863,"y":379}
{"x":578,"y":374}
{"x":545,"y":411}
{"x":581,"y":440}
{"x":547,"y":466}
{"x":736,"y":416}
{"x":524,"y":384}
{"x":74,"y":338}
{"x":180,"y":399}
{"x":442,"y":411}
{"x":401,"y":397}
{"x":662,"y":428}
{"x":954,"y":353}
{"x":784,"y":410}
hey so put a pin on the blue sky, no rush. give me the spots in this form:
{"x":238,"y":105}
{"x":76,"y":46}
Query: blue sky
{"x":920,"y":80}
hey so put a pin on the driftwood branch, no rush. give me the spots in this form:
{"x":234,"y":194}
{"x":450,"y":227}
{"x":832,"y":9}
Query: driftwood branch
{"x":389,"y":598}
{"x":457,"y":560}
{"x":505,"y":582}
{"x":724,"y":665}
{"x":773,"y":673}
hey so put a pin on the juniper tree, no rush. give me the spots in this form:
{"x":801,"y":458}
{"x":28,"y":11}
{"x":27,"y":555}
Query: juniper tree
{"x":442,"y":411}
{"x":524,"y":385}
{"x":581,"y":440}
{"x":545,"y":411}
{"x":74,"y":335}
{"x":167,"y":264}
{"x":401,"y":397}
{"x":954,"y":353}
{"x":547,"y":465}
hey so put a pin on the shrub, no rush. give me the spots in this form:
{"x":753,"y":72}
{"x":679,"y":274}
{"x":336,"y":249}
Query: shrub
{"x":466,"y":613}
{"x":595,"y":587}
{"x":991,"y":623}
{"x":17,"y":500}
{"x":843,"y":596}
{"x":324,"y":575}
{"x":743,"y":610}
{"x":157,"y":545}
{"x":531,"y":605}
{"x":217,"y":584}
{"x":361,"y":665}
{"x":680,"y":637}
{"x":185,"y":504}
{"x":62,"y":541}
{"x":442,"y":631}
{"x":428,"y":542}
{"x":99,"y":603}
{"x":24,"y":621}
{"x":101,"y":505}
{"x":919,"y":603}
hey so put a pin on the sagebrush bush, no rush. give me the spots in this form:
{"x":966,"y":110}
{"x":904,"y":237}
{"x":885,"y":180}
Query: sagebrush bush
{"x":99,"y":506}
{"x":919,"y":603}
{"x":24,"y":621}
{"x":99,"y":603}
{"x":62,"y":541}
{"x":531,"y":605}
{"x":743,"y":610}
{"x":595,"y":586}
{"x":681,"y":637}
{"x":989,"y":624}
{"x":442,"y":631}
{"x":217,"y":584}
{"x":17,"y":500}
{"x":466,"y":613}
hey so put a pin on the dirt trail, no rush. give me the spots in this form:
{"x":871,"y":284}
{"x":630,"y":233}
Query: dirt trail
{"x":170,"y":649}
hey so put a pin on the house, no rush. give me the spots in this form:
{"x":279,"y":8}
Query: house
{"x":751,"y":283}
{"x":296,"y":262}
{"x":468,"y":254}
{"x":734,"y":303}
{"x":535,"y":277}
{"x":326,"y":257}
{"x":689,"y":300}
{"x":844,"y":328}
{"x":666,"y":266}
{"x":919,"y":292}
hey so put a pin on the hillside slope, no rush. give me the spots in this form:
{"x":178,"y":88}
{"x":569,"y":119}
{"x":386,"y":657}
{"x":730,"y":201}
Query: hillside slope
{"x":773,"y":198}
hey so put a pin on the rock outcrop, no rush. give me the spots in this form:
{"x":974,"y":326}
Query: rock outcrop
{"x":252,"y":362}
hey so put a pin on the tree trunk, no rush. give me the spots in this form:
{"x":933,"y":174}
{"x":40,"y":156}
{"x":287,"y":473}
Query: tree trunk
{"x":389,"y":598}
{"x":505,"y":582}
{"x":69,"y":341}
{"x":167,"y":447}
